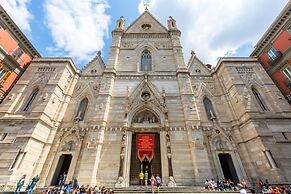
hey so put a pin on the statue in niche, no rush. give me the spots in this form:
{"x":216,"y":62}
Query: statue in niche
{"x":221,"y":145}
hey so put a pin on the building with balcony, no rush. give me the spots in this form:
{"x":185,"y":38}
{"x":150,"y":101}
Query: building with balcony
{"x":274,"y":51}
{"x":16,"y":52}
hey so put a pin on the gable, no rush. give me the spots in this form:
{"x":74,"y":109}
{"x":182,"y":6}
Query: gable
{"x":95,"y":67}
{"x":146,"y":23}
{"x":196,"y":67}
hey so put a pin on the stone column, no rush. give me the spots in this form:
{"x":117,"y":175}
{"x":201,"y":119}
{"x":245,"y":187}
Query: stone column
{"x":121,"y":178}
{"x":128,"y":158}
{"x":164,"y":158}
{"x":171,"y":182}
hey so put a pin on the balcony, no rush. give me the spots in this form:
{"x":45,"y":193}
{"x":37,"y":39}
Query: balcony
{"x":274,"y":61}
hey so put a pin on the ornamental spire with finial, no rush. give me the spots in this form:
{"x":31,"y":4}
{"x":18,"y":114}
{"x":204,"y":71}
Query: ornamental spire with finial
{"x":146,"y":5}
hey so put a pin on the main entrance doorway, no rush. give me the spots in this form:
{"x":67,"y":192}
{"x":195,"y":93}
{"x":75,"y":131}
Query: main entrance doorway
{"x":62,"y":167}
{"x":228,"y":168}
{"x":153,"y":167}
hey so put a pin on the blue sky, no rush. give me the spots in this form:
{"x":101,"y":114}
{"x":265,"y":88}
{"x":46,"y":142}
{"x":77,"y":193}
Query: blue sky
{"x":212,"y":28}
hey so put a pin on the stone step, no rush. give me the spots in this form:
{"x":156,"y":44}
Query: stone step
{"x":164,"y":189}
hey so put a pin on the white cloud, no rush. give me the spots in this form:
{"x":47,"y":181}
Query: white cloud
{"x":77,"y":27}
{"x":215,"y":28}
{"x":18,"y":11}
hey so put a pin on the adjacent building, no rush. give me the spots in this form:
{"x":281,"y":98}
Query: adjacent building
{"x":274,"y":51}
{"x":16,"y":52}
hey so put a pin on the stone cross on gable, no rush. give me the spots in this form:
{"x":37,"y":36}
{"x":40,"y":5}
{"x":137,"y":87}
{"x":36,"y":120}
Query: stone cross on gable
{"x":146,"y":5}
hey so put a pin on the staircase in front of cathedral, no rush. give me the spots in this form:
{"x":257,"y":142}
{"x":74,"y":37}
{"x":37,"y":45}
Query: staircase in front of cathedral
{"x":169,"y":190}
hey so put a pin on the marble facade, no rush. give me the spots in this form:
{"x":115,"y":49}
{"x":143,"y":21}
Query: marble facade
{"x":194,"y":141}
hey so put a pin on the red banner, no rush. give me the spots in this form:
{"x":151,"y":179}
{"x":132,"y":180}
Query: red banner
{"x":145,"y":146}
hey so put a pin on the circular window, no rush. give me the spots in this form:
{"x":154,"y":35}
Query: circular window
{"x":145,"y":96}
{"x":146,"y":26}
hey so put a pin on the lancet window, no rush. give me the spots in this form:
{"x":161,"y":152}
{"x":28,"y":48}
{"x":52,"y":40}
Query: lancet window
{"x":30,"y":100}
{"x":259,"y":99}
{"x":82,"y":110}
{"x":146,"y":61}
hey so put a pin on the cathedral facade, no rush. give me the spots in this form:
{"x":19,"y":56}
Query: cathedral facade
{"x":145,"y":110}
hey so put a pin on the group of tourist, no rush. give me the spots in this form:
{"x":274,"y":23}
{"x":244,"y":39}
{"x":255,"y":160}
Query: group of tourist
{"x":65,"y":186}
{"x":223,"y":185}
{"x":69,"y":188}
{"x":266,"y":188}
{"x":154,"y":181}
{"x":30,"y":186}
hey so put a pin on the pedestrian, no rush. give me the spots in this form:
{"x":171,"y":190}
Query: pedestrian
{"x":146,"y":178}
{"x":31,"y":186}
{"x":60,"y":180}
{"x":244,"y":184}
{"x":20,"y":184}
{"x":64,"y":177}
{"x":158,"y":181}
{"x":141,"y":177}
{"x":75,"y":185}
{"x":243,"y":191}
{"x":68,"y":187}
{"x":153,"y":182}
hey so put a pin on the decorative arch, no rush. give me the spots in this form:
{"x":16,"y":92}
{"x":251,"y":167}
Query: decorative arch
{"x":143,"y":46}
{"x":30,"y":100}
{"x":151,"y":110}
{"x":219,"y":143}
{"x":145,"y":116}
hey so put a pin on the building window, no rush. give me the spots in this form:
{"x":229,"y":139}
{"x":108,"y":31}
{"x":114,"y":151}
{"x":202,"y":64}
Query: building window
{"x":284,"y":135}
{"x":81,"y":110}
{"x":18,"y":160}
{"x":287,"y":73}
{"x":270,"y":159}
{"x":146,"y":61}
{"x":259,"y":99}
{"x":3,"y":136}
{"x":2,"y":72}
{"x":30,"y":100}
{"x":209,"y":109}
{"x":273,"y":53}
{"x":16,"y":54}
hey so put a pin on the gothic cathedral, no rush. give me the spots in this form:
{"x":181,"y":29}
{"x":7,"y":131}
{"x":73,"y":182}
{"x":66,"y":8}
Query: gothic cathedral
{"x":145,"y":110}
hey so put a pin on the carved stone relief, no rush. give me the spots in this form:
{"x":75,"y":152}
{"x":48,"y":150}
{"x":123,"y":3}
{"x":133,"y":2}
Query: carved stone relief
{"x":69,"y":146}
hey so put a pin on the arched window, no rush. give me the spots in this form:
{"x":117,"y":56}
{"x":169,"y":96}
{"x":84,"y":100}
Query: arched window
{"x":82,"y":109}
{"x":209,"y":109}
{"x":30,"y":100}
{"x":146,"y":61}
{"x":259,"y":99}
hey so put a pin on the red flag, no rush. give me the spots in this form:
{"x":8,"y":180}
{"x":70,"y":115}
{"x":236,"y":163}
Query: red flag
{"x":145,"y":146}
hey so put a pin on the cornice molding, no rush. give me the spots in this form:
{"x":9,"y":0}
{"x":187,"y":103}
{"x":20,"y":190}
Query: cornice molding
{"x":276,"y":27}
{"x":9,"y":24}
